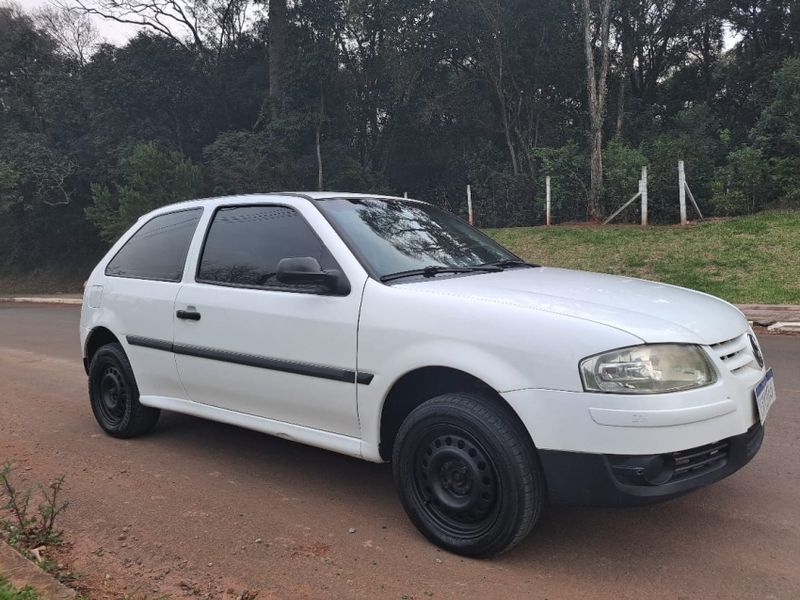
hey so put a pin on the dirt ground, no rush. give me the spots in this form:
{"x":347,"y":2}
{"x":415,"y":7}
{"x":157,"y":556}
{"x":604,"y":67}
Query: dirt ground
{"x":200,"y":509}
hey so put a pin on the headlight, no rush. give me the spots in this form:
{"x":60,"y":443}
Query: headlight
{"x":650,"y":369}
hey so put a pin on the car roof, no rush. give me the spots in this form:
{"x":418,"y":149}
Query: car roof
{"x":266,"y":196}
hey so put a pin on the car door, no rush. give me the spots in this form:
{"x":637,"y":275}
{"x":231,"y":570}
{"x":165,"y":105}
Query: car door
{"x":257,"y":346}
{"x":141,"y":283}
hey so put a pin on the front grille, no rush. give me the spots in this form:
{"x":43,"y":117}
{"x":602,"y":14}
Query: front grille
{"x":686,"y":468}
{"x":736,"y":354}
{"x":699,"y":460}
{"x":661,"y":469}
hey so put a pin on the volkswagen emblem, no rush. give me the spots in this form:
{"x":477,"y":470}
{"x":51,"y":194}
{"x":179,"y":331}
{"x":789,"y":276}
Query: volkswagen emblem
{"x":756,"y":350}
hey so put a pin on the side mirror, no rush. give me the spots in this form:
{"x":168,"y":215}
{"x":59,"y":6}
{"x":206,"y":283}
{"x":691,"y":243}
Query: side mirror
{"x":306,"y":270}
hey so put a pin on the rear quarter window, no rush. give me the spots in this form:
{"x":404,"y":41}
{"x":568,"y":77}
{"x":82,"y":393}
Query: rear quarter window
{"x":158,"y":250}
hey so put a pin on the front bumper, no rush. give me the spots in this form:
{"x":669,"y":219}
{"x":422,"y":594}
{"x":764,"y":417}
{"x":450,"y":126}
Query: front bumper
{"x":620,"y":480}
{"x":611,"y":449}
{"x":598,"y":423}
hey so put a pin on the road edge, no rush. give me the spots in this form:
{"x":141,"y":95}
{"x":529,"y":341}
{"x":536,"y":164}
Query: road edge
{"x":21,"y":572}
{"x":42,"y":299}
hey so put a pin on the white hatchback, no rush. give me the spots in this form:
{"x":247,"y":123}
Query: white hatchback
{"x":389,"y":330}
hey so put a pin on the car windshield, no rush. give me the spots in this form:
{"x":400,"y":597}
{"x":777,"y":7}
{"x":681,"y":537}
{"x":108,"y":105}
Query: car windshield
{"x":398,"y":236}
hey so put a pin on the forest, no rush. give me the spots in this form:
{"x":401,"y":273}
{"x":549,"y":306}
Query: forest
{"x":422,"y":97}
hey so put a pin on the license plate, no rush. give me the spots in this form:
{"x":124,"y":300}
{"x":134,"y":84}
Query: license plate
{"x":765,"y":395}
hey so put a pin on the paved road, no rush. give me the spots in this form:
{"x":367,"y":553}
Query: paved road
{"x":179,"y":512}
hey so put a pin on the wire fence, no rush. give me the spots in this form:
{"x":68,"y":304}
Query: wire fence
{"x":517,"y":201}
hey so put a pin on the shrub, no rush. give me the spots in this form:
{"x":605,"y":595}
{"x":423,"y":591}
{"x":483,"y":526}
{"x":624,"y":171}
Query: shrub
{"x":241,"y":162}
{"x":743,"y":185}
{"x":622,"y":169}
{"x":25,"y":526}
{"x":148,"y":178}
{"x":727,"y":202}
{"x":777,"y":131}
{"x":568,"y":168}
{"x":695,"y":138}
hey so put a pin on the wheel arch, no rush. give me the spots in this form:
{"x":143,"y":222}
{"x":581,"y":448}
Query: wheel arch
{"x":97,"y":338}
{"x":421,"y":384}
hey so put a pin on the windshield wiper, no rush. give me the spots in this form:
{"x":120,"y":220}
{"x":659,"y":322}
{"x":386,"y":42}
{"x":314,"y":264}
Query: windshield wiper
{"x":433,"y":271}
{"x":509,"y":263}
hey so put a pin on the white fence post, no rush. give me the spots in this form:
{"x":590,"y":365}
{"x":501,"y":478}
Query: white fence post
{"x":547,"y":187}
{"x":682,"y":191}
{"x":643,"y":190}
{"x":469,"y":204}
{"x":694,"y":202}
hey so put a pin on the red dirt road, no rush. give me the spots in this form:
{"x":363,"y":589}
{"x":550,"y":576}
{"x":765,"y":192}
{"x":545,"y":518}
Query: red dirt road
{"x":204,"y":509}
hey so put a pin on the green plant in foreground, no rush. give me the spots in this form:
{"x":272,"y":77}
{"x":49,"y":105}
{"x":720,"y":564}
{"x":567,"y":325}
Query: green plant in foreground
{"x":8,"y":592}
{"x":27,"y":528}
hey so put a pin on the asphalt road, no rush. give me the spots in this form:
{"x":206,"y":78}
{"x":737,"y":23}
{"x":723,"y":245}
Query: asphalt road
{"x":200,"y":508}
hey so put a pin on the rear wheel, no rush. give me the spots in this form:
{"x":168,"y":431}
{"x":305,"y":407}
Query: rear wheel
{"x":114,"y":395}
{"x":467,"y":474}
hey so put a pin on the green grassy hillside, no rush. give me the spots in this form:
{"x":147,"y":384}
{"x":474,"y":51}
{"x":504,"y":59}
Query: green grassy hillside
{"x":752,"y":259}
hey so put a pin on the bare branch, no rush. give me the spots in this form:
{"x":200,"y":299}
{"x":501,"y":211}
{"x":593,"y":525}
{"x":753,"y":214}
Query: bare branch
{"x":73,"y":31}
{"x":204,"y":25}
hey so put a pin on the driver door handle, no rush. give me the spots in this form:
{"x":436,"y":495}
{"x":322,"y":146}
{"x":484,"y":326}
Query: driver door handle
{"x":189,"y":315}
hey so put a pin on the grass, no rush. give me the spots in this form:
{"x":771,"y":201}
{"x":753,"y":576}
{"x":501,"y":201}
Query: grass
{"x":752,"y":259}
{"x":9,"y":592}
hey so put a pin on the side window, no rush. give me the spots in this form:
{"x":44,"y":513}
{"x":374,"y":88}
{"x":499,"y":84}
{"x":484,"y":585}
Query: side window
{"x":158,"y":250}
{"x":245,"y":244}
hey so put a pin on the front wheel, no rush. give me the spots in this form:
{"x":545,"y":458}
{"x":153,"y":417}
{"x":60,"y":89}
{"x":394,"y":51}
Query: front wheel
{"x":114,"y":395}
{"x":467,"y":474}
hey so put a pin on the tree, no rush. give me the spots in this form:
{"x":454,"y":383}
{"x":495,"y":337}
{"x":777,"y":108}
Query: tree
{"x":242,"y":162}
{"x":777,"y":131}
{"x":71,"y":29}
{"x":26,"y":56}
{"x":207,"y":26}
{"x":152,"y":89}
{"x":33,"y":173}
{"x":313,"y":61}
{"x":277,"y":50}
{"x":148,"y":178}
{"x":417,"y":96}
{"x":596,"y":86}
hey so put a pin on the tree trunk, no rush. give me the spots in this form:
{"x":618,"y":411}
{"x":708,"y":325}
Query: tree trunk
{"x":626,"y":68}
{"x":509,"y":142}
{"x":596,"y":189}
{"x":596,"y":90}
{"x":277,"y":51}
{"x":623,"y":83}
{"x":320,"y":182}
{"x":794,"y":25}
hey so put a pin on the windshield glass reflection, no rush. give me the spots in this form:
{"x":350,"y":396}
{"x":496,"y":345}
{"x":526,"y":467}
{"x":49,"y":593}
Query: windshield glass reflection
{"x":395,"y":235}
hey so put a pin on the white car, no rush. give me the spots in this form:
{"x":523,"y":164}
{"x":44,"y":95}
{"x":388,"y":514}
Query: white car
{"x":389,"y":330}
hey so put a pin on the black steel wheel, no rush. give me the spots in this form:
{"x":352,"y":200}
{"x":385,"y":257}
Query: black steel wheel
{"x":467,"y":474}
{"x":114,"y":395}
{"x":456,"y":481}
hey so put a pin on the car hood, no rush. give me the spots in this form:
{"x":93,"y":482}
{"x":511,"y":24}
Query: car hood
{"x":654,"y":312}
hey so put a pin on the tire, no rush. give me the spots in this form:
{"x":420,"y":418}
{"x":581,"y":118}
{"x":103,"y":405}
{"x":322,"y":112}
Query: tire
{"x":468,"y":475}
{"x":114,"y":395}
